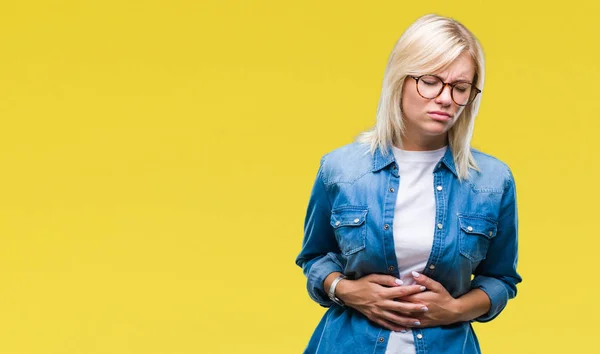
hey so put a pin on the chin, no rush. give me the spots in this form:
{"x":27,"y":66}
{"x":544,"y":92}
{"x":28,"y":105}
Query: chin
{"x":438,"y":129}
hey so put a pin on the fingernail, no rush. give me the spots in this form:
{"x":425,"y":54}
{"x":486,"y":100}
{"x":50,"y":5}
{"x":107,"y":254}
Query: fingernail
{"x":424,"y":309}
{"x":417,"y":323}
{"x":398,"y":281}
{"x":415,"y":274}
{"x":423,"y":288}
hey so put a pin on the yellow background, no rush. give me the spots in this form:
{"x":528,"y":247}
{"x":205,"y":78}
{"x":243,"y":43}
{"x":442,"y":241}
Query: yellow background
{"x":156,"y":159}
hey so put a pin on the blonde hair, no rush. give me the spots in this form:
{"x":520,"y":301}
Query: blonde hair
{"x":430,"y":44}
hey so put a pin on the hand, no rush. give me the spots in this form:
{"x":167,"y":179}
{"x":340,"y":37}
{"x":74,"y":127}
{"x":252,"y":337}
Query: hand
{"x":374,"y":296}
{"x":440,"y":308}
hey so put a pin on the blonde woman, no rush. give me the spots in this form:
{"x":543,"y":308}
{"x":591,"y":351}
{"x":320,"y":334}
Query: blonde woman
{"x":410,"y":234}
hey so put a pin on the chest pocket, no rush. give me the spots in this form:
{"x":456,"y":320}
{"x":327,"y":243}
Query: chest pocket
{"x":349,"y":224}
{"x":475,"y":235}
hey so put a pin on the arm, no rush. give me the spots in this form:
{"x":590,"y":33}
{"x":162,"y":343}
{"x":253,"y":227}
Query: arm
{"x":440,"y":308}
{"x":320,"y":254}
{"x":471,"y":305}
{"x":321,"y":262}
{"x":495,"y":277}
{"x":497,"y":274}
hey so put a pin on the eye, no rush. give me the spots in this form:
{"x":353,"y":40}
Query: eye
{"x":462,"y":87}
{"x":430,"y":80}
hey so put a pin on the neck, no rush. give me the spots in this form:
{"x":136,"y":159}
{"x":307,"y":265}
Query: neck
{"x":424,"y":143}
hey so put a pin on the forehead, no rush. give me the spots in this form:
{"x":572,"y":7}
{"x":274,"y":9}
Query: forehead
{"x":463,"y":67}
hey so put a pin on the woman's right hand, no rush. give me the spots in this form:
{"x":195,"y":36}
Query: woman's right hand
{"x":375,"y":297}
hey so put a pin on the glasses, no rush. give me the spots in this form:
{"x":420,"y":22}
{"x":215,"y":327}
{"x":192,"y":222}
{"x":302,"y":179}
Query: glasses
{"x":431,"y":86}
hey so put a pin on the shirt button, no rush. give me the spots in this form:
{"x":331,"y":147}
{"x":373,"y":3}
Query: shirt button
{"x":440,"y":226}
{"x":386,"y":226}
{"x":470,"y":228}
{"x":381,"y":339}
{"x":439,"y":188}
{"x":391,"y":268}
{"x":337,"y":223}
{"x":420,"y":336}
{"x":356,"y":221}
{"x":392,"y":190}
{"x":432,"y":267}
{"x":491,"y":233}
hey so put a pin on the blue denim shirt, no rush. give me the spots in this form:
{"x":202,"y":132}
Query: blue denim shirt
{"x":474,"y":244}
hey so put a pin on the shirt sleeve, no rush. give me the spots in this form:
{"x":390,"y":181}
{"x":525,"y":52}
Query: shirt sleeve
{"x":497,"y":274}
{"x":320,"y":254}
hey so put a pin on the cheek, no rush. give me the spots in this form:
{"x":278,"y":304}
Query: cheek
{"x":412,"y":103}
{"x":456,"y":118}
{"x":458,"y":112}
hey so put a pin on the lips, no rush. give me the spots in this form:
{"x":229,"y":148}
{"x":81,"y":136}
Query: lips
{"x":439,"y":116}
{"x":440,"y":113}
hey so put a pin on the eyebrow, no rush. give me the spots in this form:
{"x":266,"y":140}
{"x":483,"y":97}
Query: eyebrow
{"x":461,"y":78}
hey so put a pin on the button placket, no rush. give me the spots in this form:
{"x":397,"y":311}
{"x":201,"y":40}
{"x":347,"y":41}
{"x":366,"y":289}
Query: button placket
{"x":390,"y":201}
{"x":434,"y":258}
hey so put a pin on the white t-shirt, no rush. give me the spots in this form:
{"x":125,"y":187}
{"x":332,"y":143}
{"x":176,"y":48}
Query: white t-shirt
{"x":413,"y":225}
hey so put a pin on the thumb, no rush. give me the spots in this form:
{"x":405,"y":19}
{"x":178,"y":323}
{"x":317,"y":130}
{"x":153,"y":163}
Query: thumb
{"x":382,"y":279}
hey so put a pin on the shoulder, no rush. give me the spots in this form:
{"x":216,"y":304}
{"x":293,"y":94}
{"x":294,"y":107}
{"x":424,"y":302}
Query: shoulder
{"x":491,"y":169}
{"x":346,"y":163}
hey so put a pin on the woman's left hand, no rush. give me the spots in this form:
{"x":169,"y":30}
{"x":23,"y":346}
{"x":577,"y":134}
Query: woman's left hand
{"x":439,"y":307}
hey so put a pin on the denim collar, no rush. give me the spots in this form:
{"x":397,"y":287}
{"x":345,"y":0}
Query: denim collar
{"x":381,"y":160}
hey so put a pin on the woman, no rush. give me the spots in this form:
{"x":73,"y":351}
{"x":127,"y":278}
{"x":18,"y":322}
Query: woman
{"x":411,"y":234}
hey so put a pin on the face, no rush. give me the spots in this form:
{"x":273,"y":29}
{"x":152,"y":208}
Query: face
{"x":427,"y":121}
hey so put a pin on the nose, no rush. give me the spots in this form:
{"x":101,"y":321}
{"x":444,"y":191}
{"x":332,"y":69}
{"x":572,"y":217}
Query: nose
{"x":445,"y":97}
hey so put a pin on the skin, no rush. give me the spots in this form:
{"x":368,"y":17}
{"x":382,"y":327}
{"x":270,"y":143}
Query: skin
{"x":382,"y":298}
{"x":422,"y":132}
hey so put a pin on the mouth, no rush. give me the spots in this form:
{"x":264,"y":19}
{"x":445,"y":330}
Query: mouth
{"x":440,"y":116}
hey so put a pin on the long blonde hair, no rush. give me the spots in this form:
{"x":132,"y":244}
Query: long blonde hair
{"x":428,"y":45}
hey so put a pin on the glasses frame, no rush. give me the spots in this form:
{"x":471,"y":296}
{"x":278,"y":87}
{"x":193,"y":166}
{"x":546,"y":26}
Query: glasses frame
{"x":444,"y":84}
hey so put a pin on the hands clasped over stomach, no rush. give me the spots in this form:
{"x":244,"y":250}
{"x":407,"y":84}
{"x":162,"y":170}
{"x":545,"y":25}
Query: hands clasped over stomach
{"x":384,"y":300}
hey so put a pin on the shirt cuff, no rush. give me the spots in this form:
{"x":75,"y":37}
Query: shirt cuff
{"x":496,"y":291}
{"x":317,"y":273}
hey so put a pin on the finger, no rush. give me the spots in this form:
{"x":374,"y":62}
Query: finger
{"x":383,"y":279}
{"x":427,"y":282}
{"x":406,"y":321}
{"x":389,"y":325}
{"x":401,"y":291}
{"x":404,"y":307}
{"x":415,"y":298}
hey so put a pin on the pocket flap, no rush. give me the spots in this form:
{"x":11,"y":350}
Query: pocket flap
{"x":478,"y":226}
{"x":348,"y":217}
